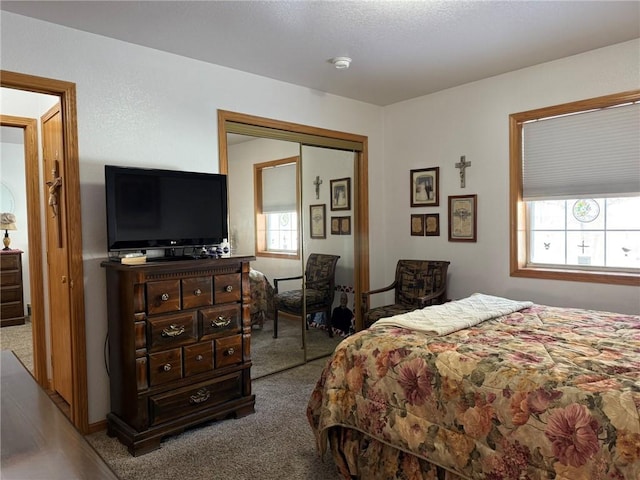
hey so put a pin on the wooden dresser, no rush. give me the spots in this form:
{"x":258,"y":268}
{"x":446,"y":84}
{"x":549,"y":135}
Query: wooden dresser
{"x":179,"y":346}
{"x":11,"y":296}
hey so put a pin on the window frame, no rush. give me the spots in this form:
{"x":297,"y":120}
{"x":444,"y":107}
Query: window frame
{"x":518,"y":221}
{"x":261,"y":218}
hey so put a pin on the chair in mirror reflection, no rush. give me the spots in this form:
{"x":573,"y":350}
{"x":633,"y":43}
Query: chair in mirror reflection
{"x":319,"y":282}
{"x":417,"y":284}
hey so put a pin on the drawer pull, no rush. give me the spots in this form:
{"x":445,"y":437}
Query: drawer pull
{"x":230,"y":351}
{"x":220,"y":322}
{"x":228,"y":288}
{"x":201,"y":395}
{"x":164,"y":297}
{"x":173,"y":331}
{"x":166,"y":367}
{"x":197,"y":292}
{"x":199,"y":358}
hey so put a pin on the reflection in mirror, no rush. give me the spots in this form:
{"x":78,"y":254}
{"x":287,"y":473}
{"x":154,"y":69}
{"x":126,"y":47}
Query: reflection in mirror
{"x":319,"y":166}
{"x":268,"y":354}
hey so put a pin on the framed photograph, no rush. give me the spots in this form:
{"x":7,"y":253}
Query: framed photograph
{"x":463,"y":218}
{"x":432,"y":224}
{"x":345,"y":225}
{"x":417,"y":225}
{"x":335,"y":225}
{"x":341,"y":194}
{"x":317,"y":218}
{"x":425,"y":187}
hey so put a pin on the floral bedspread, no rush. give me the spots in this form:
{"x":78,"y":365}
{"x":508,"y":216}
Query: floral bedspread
{"x":545,"y":392}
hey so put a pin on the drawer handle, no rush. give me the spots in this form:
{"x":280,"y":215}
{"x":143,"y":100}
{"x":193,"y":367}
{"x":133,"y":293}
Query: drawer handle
{"x":228,"y":288}
{"x":166,"y":367}
{"x":173,"y":331}
{"x":201,"y":395}
{"x":197,"y":292}
{"x":164,"y":297}
{"x":230,"y":351}
{"x":199,"y":358}
{"x":220,"y":322}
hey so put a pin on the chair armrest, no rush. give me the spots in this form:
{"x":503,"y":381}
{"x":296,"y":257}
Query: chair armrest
{"x":426,"y":300}
{"x":365,"y":295}
{"x":276,"y":280}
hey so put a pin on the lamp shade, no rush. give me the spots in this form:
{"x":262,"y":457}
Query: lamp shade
{"x":7,"y":221}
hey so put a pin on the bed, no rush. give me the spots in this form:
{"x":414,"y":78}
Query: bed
{"x":538,"y":393}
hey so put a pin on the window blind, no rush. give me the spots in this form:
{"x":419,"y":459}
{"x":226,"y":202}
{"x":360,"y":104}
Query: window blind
{"x":588,"y":154}
{"x":279,"y":188}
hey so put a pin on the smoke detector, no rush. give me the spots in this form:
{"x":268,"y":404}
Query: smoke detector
{"x":341,"y":63}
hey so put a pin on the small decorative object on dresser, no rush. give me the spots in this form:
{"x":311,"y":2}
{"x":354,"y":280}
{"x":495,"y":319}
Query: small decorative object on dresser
{"x":11,"y":295}
{"x":179,"y":346}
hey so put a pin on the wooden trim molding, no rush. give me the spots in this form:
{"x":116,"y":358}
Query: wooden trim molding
{"x":517,"y":210}
{"x":360,"y":226}
{"x":67,"y":93}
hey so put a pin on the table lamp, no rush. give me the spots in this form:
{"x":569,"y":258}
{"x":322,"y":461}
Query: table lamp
{"x":7,"y":222}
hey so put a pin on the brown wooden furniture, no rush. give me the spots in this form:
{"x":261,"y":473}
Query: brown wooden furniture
{"x":11,"y":295}
{"x":38,"y":441}
{"x":179,"y":346}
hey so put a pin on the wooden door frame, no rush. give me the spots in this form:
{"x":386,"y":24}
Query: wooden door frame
{"x":361,"y":187}
{"x":66,"y":91}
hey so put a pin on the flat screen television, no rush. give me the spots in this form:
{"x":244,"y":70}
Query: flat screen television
{"x":161,"y":209}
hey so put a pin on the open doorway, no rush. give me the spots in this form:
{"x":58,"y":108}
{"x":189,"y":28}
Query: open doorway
{"x":68,"y":277}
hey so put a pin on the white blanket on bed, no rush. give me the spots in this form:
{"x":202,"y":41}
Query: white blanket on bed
{"x":453,"y":316}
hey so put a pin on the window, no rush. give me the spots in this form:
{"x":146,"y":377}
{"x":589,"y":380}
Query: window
{"x":575,"y":191}
{"x":277,"y":215}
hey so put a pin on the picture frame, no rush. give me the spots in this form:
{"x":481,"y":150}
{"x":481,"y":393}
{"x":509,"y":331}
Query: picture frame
{"x":318,"y":221}
{"x":463,"y":224}
{"x":341,"y":225}
{"x":341,"y":194}
{"x":417,"y":225}
{"x":425,"y":187}
{"x":432,"y":225}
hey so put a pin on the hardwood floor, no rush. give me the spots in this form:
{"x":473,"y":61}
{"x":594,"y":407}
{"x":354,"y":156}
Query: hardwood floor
{"x":38,"y":441}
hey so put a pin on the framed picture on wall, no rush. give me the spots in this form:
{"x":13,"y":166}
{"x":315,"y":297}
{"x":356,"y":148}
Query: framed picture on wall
{"x":417,"y":225}
{"x":425,"y":187}
{"x":345,"y":225}
{"x":317,"y":218}
{"x":432,"y":224}
{"x":341,"y":194}
{"x":463,"y":218}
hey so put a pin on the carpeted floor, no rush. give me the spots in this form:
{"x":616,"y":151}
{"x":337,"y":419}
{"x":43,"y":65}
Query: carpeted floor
{"x":18,"y":339}
{"x":274,"y":443}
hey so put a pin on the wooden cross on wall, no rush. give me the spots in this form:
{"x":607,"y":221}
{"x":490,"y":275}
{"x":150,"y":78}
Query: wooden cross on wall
{"x":462,"y":165}
{"x":317,"y":183}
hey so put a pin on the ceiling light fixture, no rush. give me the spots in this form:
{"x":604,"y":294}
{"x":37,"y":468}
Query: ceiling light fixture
{"x":341,"y":63}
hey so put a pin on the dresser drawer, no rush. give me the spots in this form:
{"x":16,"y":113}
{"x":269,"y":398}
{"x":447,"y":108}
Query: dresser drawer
{"x":165,"y":366}
{"x":11,"y":309}
{"x":228,"y":351}
{"x":12,"y":293}
{"x":9,"y":262}
{"x":223,"y":320}
{"x":185,"y":401}
{"x":197,"y":292}
{"x":170,"y":331}
{"x":227,"y":288}
{"x":198,"y":358}
{"x":163,"y":296}
{"x":9,"y":278}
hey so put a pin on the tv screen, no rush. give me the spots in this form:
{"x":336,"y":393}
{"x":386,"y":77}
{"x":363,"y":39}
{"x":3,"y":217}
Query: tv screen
{"x":152,"y":208}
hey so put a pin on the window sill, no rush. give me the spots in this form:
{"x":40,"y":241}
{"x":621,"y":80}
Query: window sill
{"x":614,"y":278}
{"x":282,"y":255}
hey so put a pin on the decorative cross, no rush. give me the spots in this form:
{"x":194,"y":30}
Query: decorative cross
{"x":583,"y":246}
{"x":317,"y":183}
{"x":54,"y":193}
{"x":462,"y":164}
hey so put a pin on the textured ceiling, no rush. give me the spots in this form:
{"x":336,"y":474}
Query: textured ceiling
{"x":400,"y":49}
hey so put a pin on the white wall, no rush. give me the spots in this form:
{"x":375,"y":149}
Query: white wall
{"x":142,"y":107}
{"x":472,"y":120}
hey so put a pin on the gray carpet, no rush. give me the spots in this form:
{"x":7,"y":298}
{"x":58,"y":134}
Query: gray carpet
{"x":274,"y":443}
{"x":18,"y":338}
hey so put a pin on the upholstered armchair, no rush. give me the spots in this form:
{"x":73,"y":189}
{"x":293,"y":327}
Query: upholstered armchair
{"x":418,"y":284}
{"x":319,"y":283}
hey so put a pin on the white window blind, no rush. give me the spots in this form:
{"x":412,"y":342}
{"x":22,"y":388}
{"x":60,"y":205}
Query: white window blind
{"x":589,"y":154}
{"x":279,"y":189}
